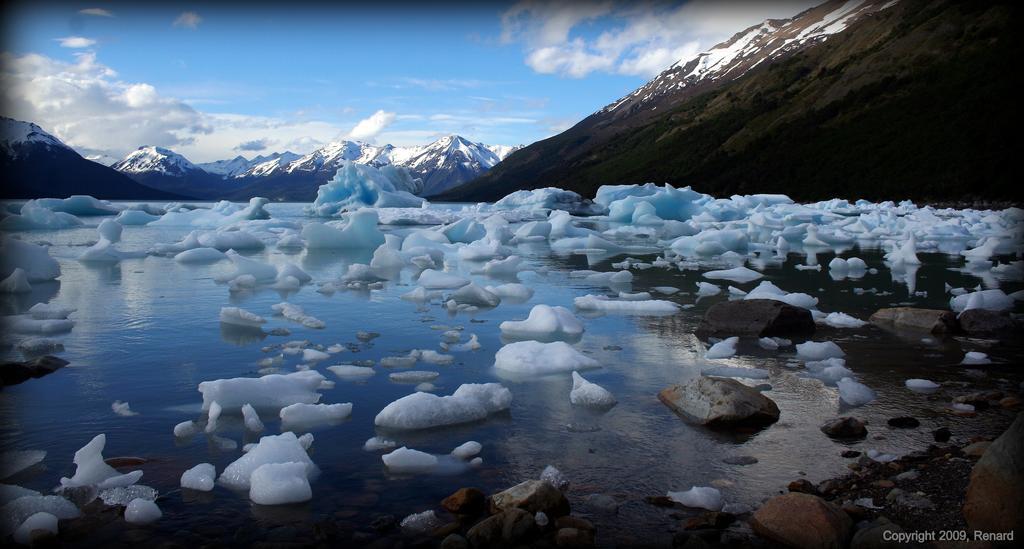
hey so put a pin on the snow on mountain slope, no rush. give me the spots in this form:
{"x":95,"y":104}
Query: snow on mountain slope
{"x":155,"y":160}
{"x":16,"y":135}
{"x":239,"y":165}
{"x":746,"y":50}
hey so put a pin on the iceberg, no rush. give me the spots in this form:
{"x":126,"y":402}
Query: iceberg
{"x":80,"y":204}
{"x":91,"y":469}
{"x":544,"y":323}
{"x":35,"y":216}
{"x":135,"y":217}
{"x":737,"y":274}
{"x":359,"y":231}
{"x":38,"y":522}
{"x":534,"y":358}
{"x":199,"y":478}
{"x":592,"y":395}
{"x":273,"y":391}
{"x":34,"y":260}
{"x":470,"y":402}
{"x":283,"y":448}
{"x":601,"y":303}
{"x":408,"y":461}
{"x":818,"y":350}
{"x":723,"y":349}
{"x":142,"y":511}
{"x":16,"y":283}
{"x":240,"y":317}
{"x":360,"y":185}
{"x":312,"y":414}
{"x":548,"y":198}
{"x":439,"y":280}
{"x":280,"y":484}
{"x":854,"y":393}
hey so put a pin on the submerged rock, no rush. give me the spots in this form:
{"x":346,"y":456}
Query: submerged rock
{"x":718,"y":402}
{"x":466,"y":501}
{"x":993,"y":502}
{"x":802,"y":520}
{"x":935,"y":321}
{"x":756,"y":317}
{"x":845,"y":427}
{"x":533,"y":496}
{"x":982,"y":322}
{"x":13,"y":373}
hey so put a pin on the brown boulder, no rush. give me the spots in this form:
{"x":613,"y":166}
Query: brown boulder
{"x":508,"y":528}
{"x":755,"y":317}
{"x":994,"y":502}
{"x":803,"y":521}
{"x":718,"y":402}
{"x":845,"y":427}
{"x":574,"y":537}
{"x":466,"y":501}
{"x":935,"y":321}
{"x":533,"y":496}
{"x":982,"y":322}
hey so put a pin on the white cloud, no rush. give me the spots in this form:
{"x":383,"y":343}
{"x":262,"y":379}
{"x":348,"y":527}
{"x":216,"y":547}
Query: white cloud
{"x":86,"y":105}
{"x":189,"y":20}
{"x":76,"y":42}
{"x":576,"y":39}
{"x":96,"y":12}
{"x":368,"y":128}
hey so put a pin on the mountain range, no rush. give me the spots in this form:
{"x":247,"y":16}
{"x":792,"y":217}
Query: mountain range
{"x":876,"y":99}
{"x":442,"y":165}
{"x":36,"y":164}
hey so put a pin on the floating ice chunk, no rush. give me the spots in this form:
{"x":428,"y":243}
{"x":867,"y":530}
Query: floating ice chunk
{"x":251,"y":419}
{"x":592,"y":395}
{"x":357,"y":185}
{"x":24,"y":324}
{"x":471,"y":294}
{"x":16,"y":283}
{"x":830,"y":371}
{"x":481,"y":250}
{"x":550,"y":198}
{"x":104,"y":251}
{"x":296,"y":314}
{"x":723,"y":349}
{"x":992,"y":300}
{"x":768,"y":343}
{"x":818,"y":350}
{"x":34,"y":260}
{"x":532,"y":358}
{"x":407,"y":361}
{"x":853,"y":393}
{"x":40,"y":345}
{"x":554,"y":477}
{"x":280,"y":484}
{"x":922,"y":385}
{"x":135,"y":217}
{"x":592,"y":302}
{"x":905,"y":253}
{"x":312,"y":414}
{"x":533,"y":230}
{"x":408,"y":461}
{"x":199,"y":478}
{"x":386,"y":258}
{"x":14,"y":462}
{"x":283,"y":448}
{"x":433,"y":357}
{"x":200,"y":255}
{"x":186,"y":429}
{"x":544,"y":323}
{"x":312,"y":355}
{"x":231,"y":239}
{"x":33,"y":216}
{"x":512,"y":291}
{"x":467,"y":450}
{"x":19,"y":510}
{"x":843,"y":320}
{"x":240,"y":317}
{"x":122,"y":409}
{"x":464,"y":230}
{"x":421,"y":523}
{"x":290,"y":240}
{"x":91,"y":469}
{"x":272,"y":391}
{"x":470,"y":402}
{"x":503,"y":267}
{"x":471,"y":345}
{"x":375,"y":444}
{"x":212,"y":415}
{"x":962,"y":407}
{"x":975,"y":357}
{"x":37,"y":522}
{"x":700,"y":497}
{"x":767,"y":290}
{"x":413,"y":376}
{"x":438,"y":280}
{"x":80,"y":204}
{"x":666,"y":290}
{"x":737,"y":274}
{"x":293,"y":270}
{"x":706,"y":289}
{"x":880,"y":457}
{"x":359,"y":232}
{"x":637,"y":296}
{"x":349,"y":371}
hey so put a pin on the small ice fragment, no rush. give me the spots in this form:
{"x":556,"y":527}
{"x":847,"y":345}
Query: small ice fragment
{"x":142,"y":511}
{"x":409,"y":461}
{"x":413,"y":376}
{"x":853,"y":393}
{"x":185,"y":429}
{"x":122,"y":409}
{"x":199,"y":478}
{"x":467,"y":450}
{"x":251,"y":418}
{"x":37,"y":522}
{"x":545,"y":322}
{"x":701,"y":497}
{"x":421,"y":523}
{"x":537,"y":358}
{"x":280,"y":483}
{"x":818,"y":350}
{"x":976,"y":357}
{"x":723,"y":349}
{"x":922,"y":385}
{"x":306,"y":414}
{"x":585,"y":393}
{"x":374,"y":444}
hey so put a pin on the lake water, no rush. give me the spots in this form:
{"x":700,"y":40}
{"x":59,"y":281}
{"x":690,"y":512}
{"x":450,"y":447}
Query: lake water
{"x":147,"y":332}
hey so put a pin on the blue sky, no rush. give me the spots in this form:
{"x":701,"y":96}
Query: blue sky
{"x":215,"y":81}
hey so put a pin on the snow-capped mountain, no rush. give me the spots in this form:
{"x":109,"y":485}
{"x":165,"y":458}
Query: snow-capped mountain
{"x":37,"y":164}
{"x":149,"y":159}
{"x":755,"y":46}
{"x":169,"y":171}
{"x":240,"y":165}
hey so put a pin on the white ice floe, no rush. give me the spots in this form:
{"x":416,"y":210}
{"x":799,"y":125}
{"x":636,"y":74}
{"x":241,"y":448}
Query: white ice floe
{"x":91,"y":469}
{"x":375,"y":444}
{"x":592,"y":395}
{"x":34,"y":260}
{"x":544,"y":323}
{"x":297,"y":314}
{"x":854,"y":393}
{"x":200,"y":255}
{"x":185,"y":429}
{"x":274,"y":391}
{"x":413,"y":376}
{"x":767,"y":290}
{"x":470,"y":402}
{"x":736,"y":274}
{"x":706,"y":289}
{"x":251,"y":419}
{"x":439,"y":280}
{"x":818,"y":350}
{"x":467,"y":450}
{"x":283,"y":448}
{"x":34,"y":216}
{"x":358,"y":231}
{"x":601,"y":303}
{"x":123,"y":409}
{"x":201,"y":477}
{"x":240,"y":317}
{"x":534,"y":358}
{"x":700,"y":497}
{"x":512,"y":291}
{"x":976,"y":357}
{"x":350,"y":371}
{"x":922,"y":385}
{"x":142,"y":511}
{"x":842,"y":320}
{"x":408,"y":461}
{"x":312,"y":414}
{"x":992,"y":300}
{"x":280,"y":483}
{"x":830,"y":370}
{"x":723,"y":349}
{"x":474,"y":295}
{"x":37,"y":522}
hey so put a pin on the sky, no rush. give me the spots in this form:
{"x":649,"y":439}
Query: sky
{"x":212,"y":81}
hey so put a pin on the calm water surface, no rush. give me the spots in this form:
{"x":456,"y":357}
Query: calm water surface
{"x":147,"y":332}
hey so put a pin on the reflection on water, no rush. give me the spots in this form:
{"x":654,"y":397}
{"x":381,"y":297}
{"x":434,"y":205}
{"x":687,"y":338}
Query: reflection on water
{"x":147,"y":332}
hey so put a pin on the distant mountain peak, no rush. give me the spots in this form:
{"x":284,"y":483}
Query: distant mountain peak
{"x":154,"y":159}
{"x":15,"y":134}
